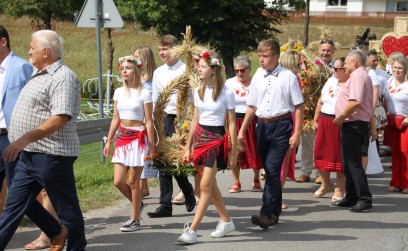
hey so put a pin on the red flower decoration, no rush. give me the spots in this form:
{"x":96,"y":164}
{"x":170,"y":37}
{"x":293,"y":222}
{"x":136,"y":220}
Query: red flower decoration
{"x":206,"y":55}
{"x":237,"y":91}
{"x":118,"y":65}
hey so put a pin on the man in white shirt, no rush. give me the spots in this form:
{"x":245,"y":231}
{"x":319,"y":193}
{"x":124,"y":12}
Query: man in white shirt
{"x":162,"y":77}
{"x":274,"y":95}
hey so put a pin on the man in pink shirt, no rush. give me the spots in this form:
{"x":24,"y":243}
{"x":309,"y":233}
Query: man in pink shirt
{"x":354,"y":110}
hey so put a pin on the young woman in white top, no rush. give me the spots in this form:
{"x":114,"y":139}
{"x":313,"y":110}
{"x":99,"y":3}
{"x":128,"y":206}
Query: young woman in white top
{"x":213,"y":103}
{"x":132,"y":121}
{"x":145,"y":54}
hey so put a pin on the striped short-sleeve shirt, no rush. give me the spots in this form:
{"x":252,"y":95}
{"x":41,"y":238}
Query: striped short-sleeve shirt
{"x":52,"y":91}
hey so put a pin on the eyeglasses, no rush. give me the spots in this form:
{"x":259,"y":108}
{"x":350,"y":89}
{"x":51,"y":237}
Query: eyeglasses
{"x":239,"y":70}
{"x":327,"y":41}
{"x":338,"y":69}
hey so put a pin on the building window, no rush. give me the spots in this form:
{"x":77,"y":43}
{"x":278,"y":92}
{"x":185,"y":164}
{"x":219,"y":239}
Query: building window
{"x":337,"y":3}
{"x":397,"y":6}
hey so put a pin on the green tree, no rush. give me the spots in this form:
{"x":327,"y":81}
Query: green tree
{"x":42,"y":12}
{"x":228,"y":26}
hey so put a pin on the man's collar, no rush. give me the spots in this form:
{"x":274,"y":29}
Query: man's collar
{"x":275,"y":72}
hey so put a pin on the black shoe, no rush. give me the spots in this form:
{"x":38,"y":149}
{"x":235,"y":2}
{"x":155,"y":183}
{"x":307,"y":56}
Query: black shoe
{"x":361,"y":206}
{"x":344,"y":203}
{"x":190,"y":201}
{"x":161,"y":212}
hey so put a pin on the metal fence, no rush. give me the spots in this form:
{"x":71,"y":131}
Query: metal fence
{"x":90,"y":131}
{"x":341,"y":17}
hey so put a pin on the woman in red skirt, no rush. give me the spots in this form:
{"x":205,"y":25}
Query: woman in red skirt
{"x":249,"y":159}
{"x":327,"y":153}
{"x":396,"y":100}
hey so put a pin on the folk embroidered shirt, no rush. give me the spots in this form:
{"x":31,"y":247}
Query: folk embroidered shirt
{"x":52,"y":91}
{"x":241,"y":94}
{"x":396,"y":98}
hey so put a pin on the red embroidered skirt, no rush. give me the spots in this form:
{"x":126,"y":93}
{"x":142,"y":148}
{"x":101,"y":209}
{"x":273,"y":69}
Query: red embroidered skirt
{"x":249,"y":159}
{"x":327,"y":148}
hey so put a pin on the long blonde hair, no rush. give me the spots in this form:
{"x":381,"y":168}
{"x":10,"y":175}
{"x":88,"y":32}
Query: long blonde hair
{"x":149,"y":65}
{"x":218,"y":81}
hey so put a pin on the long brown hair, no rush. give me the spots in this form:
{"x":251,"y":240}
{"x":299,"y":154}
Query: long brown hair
{"x":149,"y":65}
{"x":218,"y":81}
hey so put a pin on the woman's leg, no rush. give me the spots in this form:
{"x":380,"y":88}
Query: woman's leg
{"x":286,"y":164}
{"x":206,"y":186}
{"x":144,"y":187}
{"x":197,"y":181}
{"x":340,"y":185}
{"x":237,"y":184}
{"x":216,"y":198}
{"x":119,"y":180}
{"x":134,"y":181}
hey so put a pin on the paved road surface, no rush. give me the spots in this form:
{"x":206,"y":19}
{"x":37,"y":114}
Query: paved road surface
{"x":308,"y":223}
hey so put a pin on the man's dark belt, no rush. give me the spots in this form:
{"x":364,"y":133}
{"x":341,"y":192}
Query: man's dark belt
{"x":328,"y":115}
{"x":274,"y":119}
{"x":3,"y":132}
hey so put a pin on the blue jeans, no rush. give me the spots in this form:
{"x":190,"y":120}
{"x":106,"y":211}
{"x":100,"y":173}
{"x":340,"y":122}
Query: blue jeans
{"x":273,"y":143}
{"x":35,"y":171}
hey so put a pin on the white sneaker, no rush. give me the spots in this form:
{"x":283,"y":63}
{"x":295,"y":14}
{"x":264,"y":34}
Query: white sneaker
{"x":189,"y":236}
{"x":223,"y":228}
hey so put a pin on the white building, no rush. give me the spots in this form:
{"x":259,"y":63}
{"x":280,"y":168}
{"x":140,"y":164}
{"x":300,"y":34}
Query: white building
{"x":358,"y":5}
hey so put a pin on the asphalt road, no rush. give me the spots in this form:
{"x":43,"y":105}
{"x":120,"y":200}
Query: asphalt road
{"x":308,"y":224}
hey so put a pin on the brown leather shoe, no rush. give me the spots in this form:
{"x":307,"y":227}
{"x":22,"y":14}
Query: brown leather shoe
{"x":264,"y":221}
{"x":58,"y":242}
{"x":303,"y":179}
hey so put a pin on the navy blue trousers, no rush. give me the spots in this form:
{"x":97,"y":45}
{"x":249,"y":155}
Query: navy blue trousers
{"x":6,"y":168}
{"x":352,"y":137}
{"x":273,"y":143}
{"x":35,"y":171}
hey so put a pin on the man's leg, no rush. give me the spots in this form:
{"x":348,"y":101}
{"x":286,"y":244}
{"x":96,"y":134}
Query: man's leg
{"x":57,"y":177}
{"x":21,"y":198}
{"x":277,"y":134}
{"x":166,"y":189}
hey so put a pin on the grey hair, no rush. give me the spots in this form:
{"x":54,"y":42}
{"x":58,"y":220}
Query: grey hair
{"x":244,"y":61}
{"x":404,"y":62}
{"x":51,"y":40}
{"x":358,"y":55}
{"x":395,"y":55}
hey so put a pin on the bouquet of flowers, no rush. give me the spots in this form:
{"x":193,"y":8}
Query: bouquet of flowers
{"x":313,"y":76}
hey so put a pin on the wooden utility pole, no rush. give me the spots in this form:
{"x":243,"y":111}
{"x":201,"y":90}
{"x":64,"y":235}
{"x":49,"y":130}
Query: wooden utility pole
{"x":307,"y":20}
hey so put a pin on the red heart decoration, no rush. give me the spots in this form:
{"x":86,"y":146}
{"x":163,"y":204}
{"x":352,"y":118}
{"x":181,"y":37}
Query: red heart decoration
{"x":392,"y":44}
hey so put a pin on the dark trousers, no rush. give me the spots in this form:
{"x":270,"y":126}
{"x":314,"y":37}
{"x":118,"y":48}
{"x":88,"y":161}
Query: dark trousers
{"x":273,"y":143}
{"x":352,"y":137}
{"x":8,"y":168}
{"x":166,"y":181}
{"x":35,"y":171}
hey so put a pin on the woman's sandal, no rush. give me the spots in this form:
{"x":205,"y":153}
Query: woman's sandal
{"x":257,"y":186}
{"x":179,"y":199}
{"x":262,"y":176}
{"x":39,"y":243}
{"x":393,"y":189}
{"x":146,"y":193}
{"x":405,"y":190}
{"x":236,"y":188}
{"x":284,"y":206}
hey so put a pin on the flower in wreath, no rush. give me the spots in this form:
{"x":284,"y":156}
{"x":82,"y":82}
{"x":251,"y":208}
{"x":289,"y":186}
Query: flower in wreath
{"x":292,"y":44}
{"x":132,"y":59}
{"x":211,"y":60}
{"x":313,"y":76}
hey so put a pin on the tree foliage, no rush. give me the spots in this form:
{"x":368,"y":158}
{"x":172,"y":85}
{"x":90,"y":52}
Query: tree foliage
{"x":228,"y":26}
{"x":42,"y":12}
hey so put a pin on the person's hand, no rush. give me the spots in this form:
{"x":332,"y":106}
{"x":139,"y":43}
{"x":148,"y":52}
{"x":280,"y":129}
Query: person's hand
{"x":240,"y":137}
{"x":152,"y":152}
{"x":405,"y":122}
{"x":13,"y":150}
{"x":187,"y":157}
{"x":315,"y":126}
{"x":339,"y":121}
{"x":373,"y":134}
{"x":106,"y":150}
{"x":294,"y":141}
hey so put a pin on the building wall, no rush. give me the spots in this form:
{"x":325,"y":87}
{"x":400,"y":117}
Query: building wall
{"x":375,"y":5}
{"x":352,"y":6}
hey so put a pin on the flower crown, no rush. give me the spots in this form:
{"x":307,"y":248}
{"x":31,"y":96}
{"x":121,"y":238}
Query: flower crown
{"x":132,"y":59}
{"x":211,"y":61}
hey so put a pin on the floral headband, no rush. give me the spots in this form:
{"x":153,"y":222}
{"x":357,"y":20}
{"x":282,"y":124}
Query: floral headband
{"x":211,"y":61}
{"x":131,"y":58}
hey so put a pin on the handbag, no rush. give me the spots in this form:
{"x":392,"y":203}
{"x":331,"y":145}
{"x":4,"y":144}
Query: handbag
{"x":395,"y":121}
{"x":380,"y":117}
